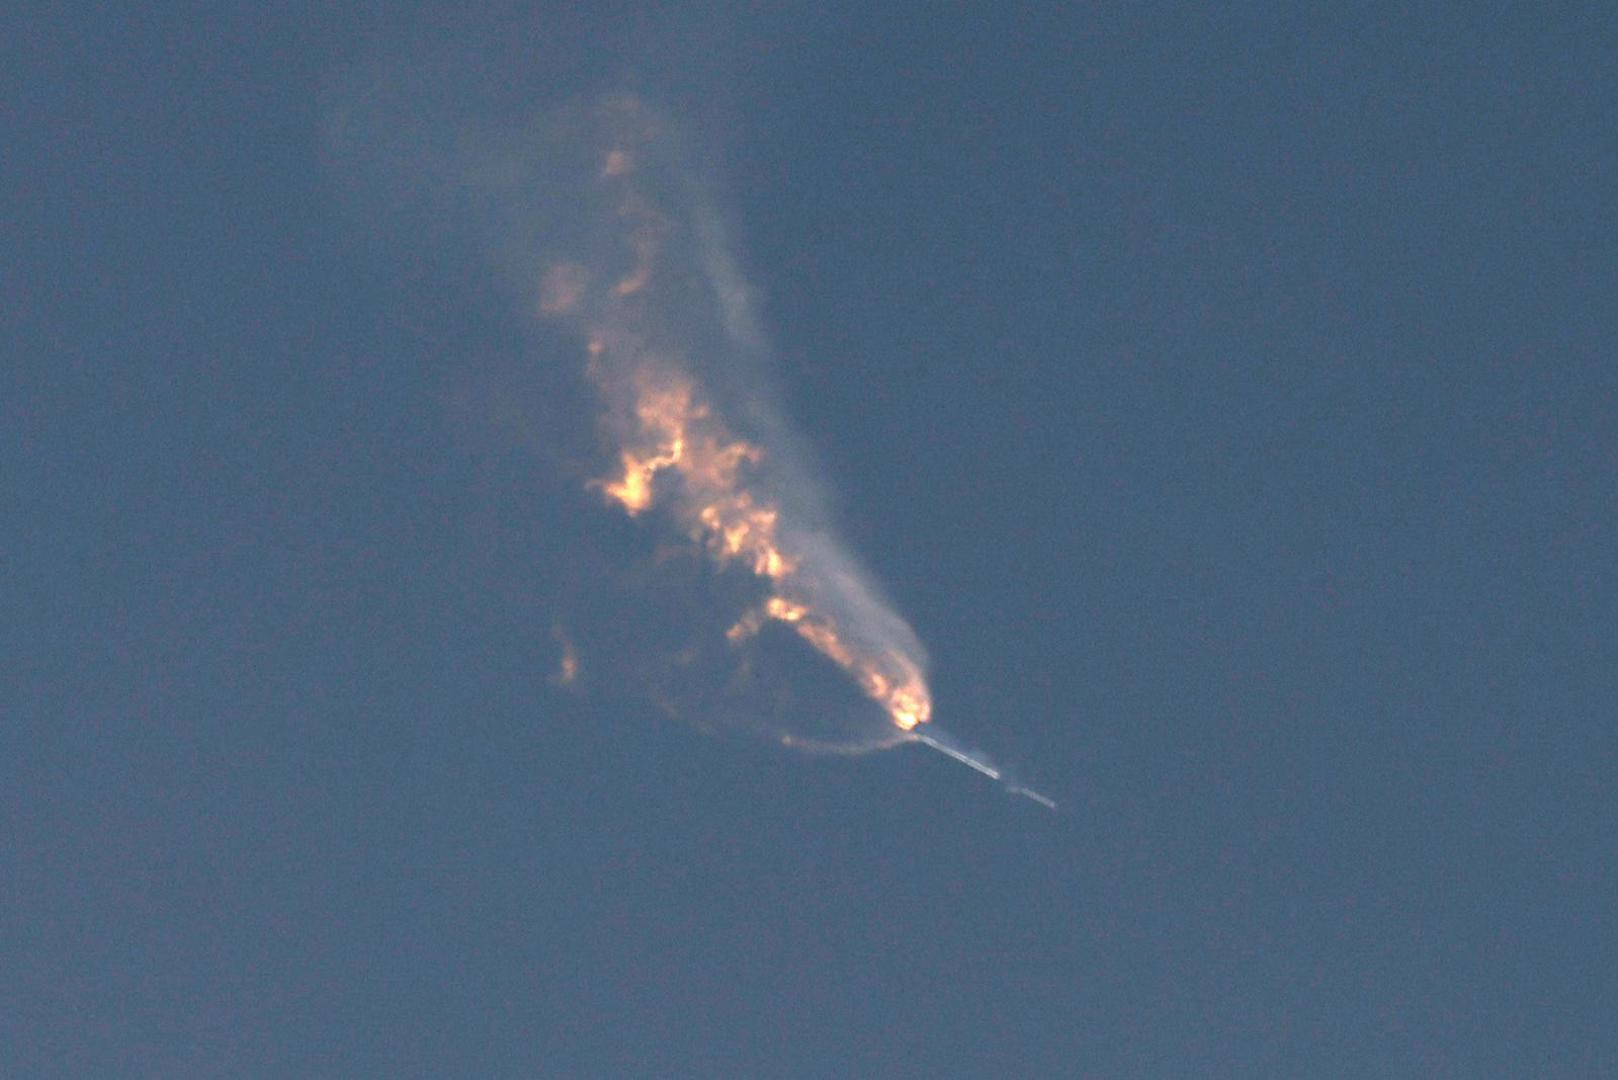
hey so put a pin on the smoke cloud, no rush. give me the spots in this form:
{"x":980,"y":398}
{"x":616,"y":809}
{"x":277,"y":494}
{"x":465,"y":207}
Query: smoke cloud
{"x":720,"y":591}
{"x":670,"y":342}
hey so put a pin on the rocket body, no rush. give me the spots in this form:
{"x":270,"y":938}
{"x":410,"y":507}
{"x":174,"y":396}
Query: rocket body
{"x":945,"y":744}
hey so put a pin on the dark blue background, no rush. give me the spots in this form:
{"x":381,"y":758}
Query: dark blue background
{"x":1227,"y":396}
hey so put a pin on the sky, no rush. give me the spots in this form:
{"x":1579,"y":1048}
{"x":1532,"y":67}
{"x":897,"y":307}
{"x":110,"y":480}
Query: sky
{"x":1225,"y":398}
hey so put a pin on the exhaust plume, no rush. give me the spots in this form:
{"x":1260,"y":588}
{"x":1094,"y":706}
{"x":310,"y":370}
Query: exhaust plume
{"x":748,"y":608}
{"x":672,"y":349}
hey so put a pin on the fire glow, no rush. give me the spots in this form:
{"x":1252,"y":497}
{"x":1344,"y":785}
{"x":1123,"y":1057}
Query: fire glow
{"x":672,"y":448}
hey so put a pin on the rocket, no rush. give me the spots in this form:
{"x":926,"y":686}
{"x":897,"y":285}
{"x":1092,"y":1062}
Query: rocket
{"x":945,"y":744}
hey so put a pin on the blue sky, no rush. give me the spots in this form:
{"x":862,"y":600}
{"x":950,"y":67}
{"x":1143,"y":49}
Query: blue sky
{"x":1227,"y":400}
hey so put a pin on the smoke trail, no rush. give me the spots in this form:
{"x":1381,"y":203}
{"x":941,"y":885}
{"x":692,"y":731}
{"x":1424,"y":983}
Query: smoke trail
{"x":667,"y":333}
{"x":746,"y":610}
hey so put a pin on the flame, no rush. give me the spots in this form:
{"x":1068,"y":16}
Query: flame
{"x":670,"y":440}
{"x":567,"y":665}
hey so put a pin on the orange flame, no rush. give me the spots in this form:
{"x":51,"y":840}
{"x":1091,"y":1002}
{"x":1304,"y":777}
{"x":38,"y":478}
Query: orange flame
{"x":567,"y":664}
{"x":667,"y":429}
